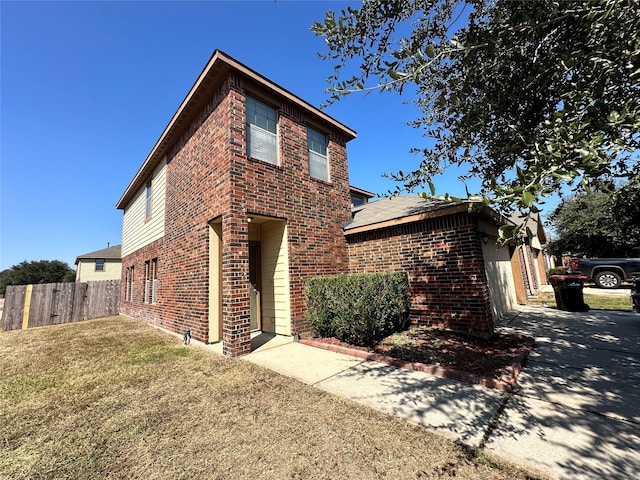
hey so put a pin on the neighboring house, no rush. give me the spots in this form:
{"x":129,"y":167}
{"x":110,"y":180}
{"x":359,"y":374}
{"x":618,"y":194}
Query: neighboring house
{"x":529,"y":262}
{"x":103,"y":264}
{"x":245,"y":195}
{"x":360,"y":197}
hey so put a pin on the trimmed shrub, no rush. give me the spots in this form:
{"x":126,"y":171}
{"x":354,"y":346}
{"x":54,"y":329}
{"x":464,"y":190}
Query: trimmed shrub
{"x":360,"y":309}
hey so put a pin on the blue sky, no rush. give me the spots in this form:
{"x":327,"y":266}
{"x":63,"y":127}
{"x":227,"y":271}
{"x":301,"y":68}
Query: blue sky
{"x":88,"y":87}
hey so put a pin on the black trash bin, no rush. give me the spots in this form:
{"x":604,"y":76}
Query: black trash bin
{"x":635,"y":294}
{"x":568,"y":292}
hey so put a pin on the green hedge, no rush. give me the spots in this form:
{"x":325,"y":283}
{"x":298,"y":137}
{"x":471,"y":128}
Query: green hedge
{"x":360,"y":309}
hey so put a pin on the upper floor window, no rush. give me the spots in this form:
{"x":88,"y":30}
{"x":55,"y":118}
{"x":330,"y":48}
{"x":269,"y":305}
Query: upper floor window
{"x":148,"y":197}
{"x":318,"y":163}
{"x":99,"y":264}
{"x":262,"y":139}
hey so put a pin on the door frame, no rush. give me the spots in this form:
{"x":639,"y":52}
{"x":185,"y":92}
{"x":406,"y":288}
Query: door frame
{"x":258,"y":284}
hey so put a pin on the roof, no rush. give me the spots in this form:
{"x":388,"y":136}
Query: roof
{"x":361,"y":192}
{"x":534,"y":224}
{"x":397,"y":210}
{"x":110,"y":253}
{"x":214,"y":73}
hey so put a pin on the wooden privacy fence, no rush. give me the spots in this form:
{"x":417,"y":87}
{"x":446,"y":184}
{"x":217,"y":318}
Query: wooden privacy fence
{"x":55,"y":303}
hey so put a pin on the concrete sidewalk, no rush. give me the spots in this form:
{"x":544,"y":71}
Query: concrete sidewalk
{"x":575,"y":413}
{"x":459,"y":410}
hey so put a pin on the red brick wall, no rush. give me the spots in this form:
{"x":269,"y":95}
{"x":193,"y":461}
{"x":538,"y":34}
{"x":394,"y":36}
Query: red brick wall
{"x":315,"y":210}
{"x":443,"y":258}
{"x":136,"y":307}
{"x":210,"y":177}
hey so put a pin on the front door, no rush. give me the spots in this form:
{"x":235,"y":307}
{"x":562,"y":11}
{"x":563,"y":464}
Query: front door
{"x":254,"y":285}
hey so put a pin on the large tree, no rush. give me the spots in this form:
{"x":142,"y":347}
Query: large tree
{"x":529,"y":95}
{"x":597,"y":224}
{"x":42,"y":271}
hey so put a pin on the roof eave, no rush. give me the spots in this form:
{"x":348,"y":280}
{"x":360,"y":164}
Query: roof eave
{"x":362,"y":192}
{"x":457,"y":208}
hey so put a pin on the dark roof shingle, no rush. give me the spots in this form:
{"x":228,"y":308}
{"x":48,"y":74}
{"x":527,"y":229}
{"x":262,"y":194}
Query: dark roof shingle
{"x":393,"y":208}
{"x":110,"y":253}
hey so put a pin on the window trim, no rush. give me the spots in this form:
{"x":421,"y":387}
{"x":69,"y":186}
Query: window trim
{"x":102,"y":263}
{"x":151,"y":281}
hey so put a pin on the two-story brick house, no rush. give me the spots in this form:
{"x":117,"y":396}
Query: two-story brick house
{"x":243,"y":197}
{"x":246,"y":194}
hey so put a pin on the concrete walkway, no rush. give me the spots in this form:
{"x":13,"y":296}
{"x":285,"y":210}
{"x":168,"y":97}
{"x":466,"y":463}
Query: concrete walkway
{"x":575,"y":413}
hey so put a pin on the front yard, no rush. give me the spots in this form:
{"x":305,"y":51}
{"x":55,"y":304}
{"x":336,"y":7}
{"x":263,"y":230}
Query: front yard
{"x":115,"y":398}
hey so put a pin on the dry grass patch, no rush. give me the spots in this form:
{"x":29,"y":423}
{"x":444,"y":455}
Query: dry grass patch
{"x":115,"y":398}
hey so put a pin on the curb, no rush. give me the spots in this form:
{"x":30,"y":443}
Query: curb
{"x":506,"y":383}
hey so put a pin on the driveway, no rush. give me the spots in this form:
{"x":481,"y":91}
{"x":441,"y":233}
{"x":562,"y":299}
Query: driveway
{"x":576,"y":411}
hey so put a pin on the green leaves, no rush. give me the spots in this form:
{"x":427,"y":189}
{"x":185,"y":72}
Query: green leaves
{"x":41,"y":271}
{"x":528,"y":198}
{"x":432,"y":187}
{"x":530,"y":96}
{"x":430,"y":51}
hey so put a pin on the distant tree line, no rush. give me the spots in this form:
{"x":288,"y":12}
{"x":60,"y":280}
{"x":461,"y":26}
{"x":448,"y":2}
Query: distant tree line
{"x":41,"y":271}
{"x":602,"y":223}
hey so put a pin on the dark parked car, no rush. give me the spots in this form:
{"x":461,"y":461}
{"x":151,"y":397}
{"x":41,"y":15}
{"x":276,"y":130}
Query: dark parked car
{"x":607,"y":272}
{"x":635,"y":294}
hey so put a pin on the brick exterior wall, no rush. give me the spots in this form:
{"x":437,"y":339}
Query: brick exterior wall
{"x":443,"y":258}
{"x":210,"y":177}
{"x":136,"y":307}
{"x":315,"y":210}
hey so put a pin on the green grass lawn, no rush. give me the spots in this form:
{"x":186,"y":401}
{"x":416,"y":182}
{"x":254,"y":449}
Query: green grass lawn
{"x":115,"y":398}
{"x":595,"y":302}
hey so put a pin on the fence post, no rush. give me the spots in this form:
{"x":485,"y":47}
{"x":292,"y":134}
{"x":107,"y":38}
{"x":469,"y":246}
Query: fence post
{"x":27,"y":306}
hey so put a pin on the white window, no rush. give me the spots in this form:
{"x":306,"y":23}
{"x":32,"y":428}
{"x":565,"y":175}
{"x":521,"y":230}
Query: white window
{"x":318,"y":162}
{"x":148,"y":194}
{"x":128,"y":290}
{"x":99,"y":264}
{"x":147,"y":281}
{"x":262,"y":139}
{"x":154,"y":277}
{"x":151,"y":281}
